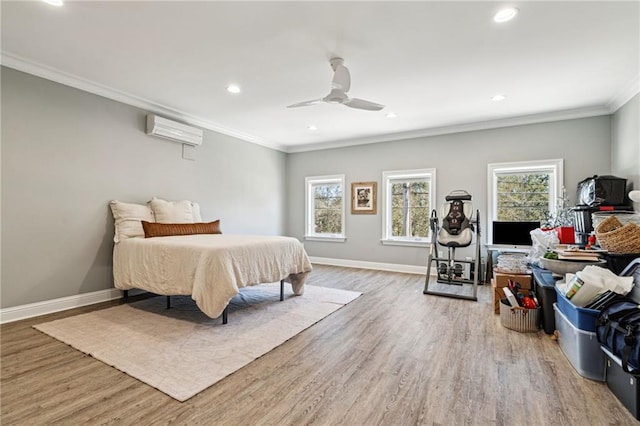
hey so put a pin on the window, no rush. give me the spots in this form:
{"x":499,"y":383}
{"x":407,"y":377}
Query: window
{"x":523,"y":192}
{"x":407,"y":199}
{"x":324,"y":213}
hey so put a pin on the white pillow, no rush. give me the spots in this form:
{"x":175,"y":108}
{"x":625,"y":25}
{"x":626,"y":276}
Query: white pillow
{"x":197,"y":218}
{"x":128,"y":219}
{"x":172,"y":211}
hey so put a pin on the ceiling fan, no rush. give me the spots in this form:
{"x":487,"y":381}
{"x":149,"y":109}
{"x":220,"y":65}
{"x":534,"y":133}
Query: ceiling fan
{"x":339,"y":87}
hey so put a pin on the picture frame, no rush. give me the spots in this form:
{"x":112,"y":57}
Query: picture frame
{"x":364,"y":197}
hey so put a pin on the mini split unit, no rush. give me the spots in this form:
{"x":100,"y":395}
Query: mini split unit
{"x":172,"y":130}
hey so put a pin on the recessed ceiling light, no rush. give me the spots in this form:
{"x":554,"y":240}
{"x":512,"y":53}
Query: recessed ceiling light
{"x":233,"y":88}
{"x":53,"y":2}
{"x":505,"y":14}
{"x":312,"y":128}
{"x":499,"y":97}
{"x":391,"y":115}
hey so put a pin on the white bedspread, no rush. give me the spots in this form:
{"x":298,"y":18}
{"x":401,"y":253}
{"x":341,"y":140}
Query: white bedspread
{"x":210,"y":268}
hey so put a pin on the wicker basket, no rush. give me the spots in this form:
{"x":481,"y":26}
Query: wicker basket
{"x":623,"y":217}
{"x":609,"y":224}
{"x":618,"y":238}
{"x":519,"y":318}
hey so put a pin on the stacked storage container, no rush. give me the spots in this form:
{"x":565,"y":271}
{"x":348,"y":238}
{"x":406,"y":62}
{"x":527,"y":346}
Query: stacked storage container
{"x":624,"y":385}
{"x":577,"y":337}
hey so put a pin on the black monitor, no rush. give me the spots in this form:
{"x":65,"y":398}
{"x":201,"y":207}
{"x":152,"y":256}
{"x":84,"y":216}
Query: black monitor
{"x":513,"y":233}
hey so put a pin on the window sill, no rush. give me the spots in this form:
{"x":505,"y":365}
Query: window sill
{"x":328,"y":239}
{"x":407,"y":243}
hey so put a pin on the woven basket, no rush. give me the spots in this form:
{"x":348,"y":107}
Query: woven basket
{"x":618,"y":238}
{"x":609,"y":224}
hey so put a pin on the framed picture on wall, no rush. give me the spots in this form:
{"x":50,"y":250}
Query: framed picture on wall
{"x":364,"y":197}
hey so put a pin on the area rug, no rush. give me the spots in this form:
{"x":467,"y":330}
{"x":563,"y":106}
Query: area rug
{"x":181,"y":351}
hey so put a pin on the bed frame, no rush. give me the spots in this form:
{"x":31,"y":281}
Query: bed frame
{"x":225,"y":313}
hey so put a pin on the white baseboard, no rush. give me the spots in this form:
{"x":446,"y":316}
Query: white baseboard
{"x":392,"y":267}
{"x":31,"y":310}
{"x":16,"y":313}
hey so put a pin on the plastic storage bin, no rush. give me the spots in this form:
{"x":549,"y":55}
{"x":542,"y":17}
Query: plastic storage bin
{"x":581,"y":348}
{"x":618,"y":262}
{"x":623,"y":385}
{"x":545,"y":288}
{"x":584,"y":319}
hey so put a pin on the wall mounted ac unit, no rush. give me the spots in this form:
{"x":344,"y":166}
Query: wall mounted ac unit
{"x":169,"y":129}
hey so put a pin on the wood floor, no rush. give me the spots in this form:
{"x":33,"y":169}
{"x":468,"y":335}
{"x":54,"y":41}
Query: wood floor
{"x":392,"y":357}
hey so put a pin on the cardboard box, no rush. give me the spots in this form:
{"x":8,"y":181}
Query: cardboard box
{"x":502,"y":280}
{"x":498,"y":294}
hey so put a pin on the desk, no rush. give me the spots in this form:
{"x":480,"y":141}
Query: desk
{"x":503,"y":248}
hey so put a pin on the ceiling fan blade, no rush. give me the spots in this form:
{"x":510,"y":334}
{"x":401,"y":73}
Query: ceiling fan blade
{"x":305,"y":103}
{"x":341,"y":78}
{"x":362,"y":104}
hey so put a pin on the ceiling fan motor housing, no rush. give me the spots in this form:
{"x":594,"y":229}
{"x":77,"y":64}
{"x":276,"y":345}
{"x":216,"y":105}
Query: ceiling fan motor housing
{"x":336,"y":96}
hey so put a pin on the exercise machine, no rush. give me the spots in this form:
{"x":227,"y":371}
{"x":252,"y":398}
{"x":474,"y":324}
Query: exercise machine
{"x":457,"y":231}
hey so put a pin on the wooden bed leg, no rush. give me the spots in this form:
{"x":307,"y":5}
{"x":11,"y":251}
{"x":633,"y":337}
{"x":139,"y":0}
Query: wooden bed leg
{"x":125,"y":293}
{"x":225,"y":314}
{"x":168,"y":302}
{"x":281,"y":290}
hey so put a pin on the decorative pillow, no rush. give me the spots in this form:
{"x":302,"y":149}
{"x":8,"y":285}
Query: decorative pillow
{"x":172,"y":211}
{"x":168,"y":229}
{"x":128,"y":217}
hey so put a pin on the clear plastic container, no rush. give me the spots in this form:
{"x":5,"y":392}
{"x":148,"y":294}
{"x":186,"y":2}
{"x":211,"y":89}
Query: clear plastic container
{"x":581,"y":348}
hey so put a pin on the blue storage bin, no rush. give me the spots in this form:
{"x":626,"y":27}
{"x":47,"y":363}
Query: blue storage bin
{"x":584,"y":319}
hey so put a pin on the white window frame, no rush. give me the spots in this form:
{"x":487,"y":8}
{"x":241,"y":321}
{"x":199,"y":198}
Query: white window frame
{"x":387,"y":178}
{"x":309,"y":211}
{"x":555,"y":167}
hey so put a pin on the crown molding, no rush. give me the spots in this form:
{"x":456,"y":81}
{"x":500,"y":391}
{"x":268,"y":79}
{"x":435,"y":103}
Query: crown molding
{"x":458,"y":128}
{"x":631,"y":89}
{"x":71,"y":80}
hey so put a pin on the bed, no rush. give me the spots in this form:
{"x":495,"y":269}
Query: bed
{"x":210,"y":267}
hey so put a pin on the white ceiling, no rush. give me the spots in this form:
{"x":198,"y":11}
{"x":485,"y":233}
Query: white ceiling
{"x":435,"y":64}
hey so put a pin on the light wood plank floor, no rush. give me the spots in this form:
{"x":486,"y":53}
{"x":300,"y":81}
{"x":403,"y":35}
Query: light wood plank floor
{"x":392,"y":357}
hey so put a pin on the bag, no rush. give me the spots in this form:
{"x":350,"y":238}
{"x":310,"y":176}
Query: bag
{"x":618,"y":329}
{"x":597,"y":190}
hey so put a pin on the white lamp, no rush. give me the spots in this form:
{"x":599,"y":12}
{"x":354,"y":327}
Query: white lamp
{"x":635,"y":195}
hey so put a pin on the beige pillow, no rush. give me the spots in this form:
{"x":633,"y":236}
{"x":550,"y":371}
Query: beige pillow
{"x":172,"y":211}
{"x":128,"y":219}
{"x":169,"y":229}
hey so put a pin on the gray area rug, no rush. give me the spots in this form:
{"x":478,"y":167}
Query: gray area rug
{"x":181,"y":351}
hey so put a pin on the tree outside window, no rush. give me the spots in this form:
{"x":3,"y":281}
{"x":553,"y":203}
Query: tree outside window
{"x":327,"y":217}
{"x":410,"y":209}
{"x":524,"y":191}
{"x":522,"y":197}
{"x":408,"y":198}
{"x":325,"y":208}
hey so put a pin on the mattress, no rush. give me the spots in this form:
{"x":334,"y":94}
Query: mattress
{"x":209,"y":267}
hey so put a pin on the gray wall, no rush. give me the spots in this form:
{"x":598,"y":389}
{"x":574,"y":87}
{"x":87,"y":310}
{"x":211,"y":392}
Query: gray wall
{"x":625,"y":144}
{"x":67,"y":153}
{"x":461,"y":161}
